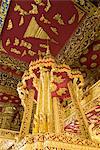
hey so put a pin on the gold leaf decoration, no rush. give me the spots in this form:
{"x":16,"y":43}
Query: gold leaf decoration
{"x":58,"y":79}
{"x":10,"y":25}
{"x":16,"y":42}
{"x":45,"y":20}
{"x":34,"y":9}
{"x":14,"y":50}
{"x":21,"y":21}
{"x":72,"y":19}
{"x":53,"y":87}
{"x":48,"y":6}
{"x":96,"y":47}
{"x":59,"y":19}
{"x":54,"y":30}
{"x":20,"y":10}
{"x":43,"y":46}
{"x":24,"y":53}
{"x":61,"y":91}
{"x":39,"y":2}
{"x":35,"y":31}
{"x":31,"y":53}
{"x":8,"y":42}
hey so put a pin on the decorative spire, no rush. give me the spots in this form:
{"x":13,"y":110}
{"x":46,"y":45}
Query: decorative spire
{"x":48,"y":54}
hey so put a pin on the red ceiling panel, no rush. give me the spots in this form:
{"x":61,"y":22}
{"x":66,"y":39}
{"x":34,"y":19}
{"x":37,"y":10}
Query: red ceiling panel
{"x":29,"y":24}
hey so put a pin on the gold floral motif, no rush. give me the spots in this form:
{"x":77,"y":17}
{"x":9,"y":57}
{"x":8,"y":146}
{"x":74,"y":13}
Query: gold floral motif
{"x":93,"y":57}
{"x":61,"y":91}
{"x":10,"y":25}
{"x":72,"y":19}
{"x":16,"y":42}
{"x":83,"y":59}
{"x":96,"y":47}
{"x":34,"y":9}
{"x":93,"y":65}
{"x":8,"y":42}
{"x":14,"y":50}
{"x":26,"y":44}
{"x":58,"y":79}
{"x":47,"y":8}
{"x":41,"y":54}
{"x":31,"y":53}
{"x":39,"y":2}
{"x":59,"y":19}
{"x":20,"y":10}
{"x":21,"y":21}
{"x":43,"y":46}
{"x":45,"y":20}
{"x":24,"y":53}
{"x":53,"y":87}
{"x":54,"y":30}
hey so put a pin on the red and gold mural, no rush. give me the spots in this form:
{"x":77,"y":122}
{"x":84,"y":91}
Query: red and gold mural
{"x":32,"y":25}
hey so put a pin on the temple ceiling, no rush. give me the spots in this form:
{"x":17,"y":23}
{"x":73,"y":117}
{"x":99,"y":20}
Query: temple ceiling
{"x":69,"y":28}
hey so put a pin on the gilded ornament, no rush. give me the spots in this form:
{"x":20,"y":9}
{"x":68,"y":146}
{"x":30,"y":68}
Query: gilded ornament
{"x":34,"y":9}
{"x":73,"y":49}
{"x":21,"y":21}
{"x":58,"y":79}
{"x":10,"y":25}
{"x":96,"y":47}
{"x":31,"y":53}
{"x":83,"y":59}
{"x":33,"y":30}
{"x":72,"y":19}
{"x":59,"y":19}
{"x":61,"y":91}
{"x":39,"y":2}
{"x":44,"y":46}
{"x":54,"y":30}
{"x":93,"y":65}
{"x":24,"y":53}
{"x":44,"y":20}
{"x":26,"y":44}
{"x":8,"y":42}
{"x":93,"y":57}
{"x":20,"y":10}
{"x":14,"y":50}
{"x":47,"y":8}
{"x":53,"y":87}
{"x":16,"y":42}
{"x":40,"y":53}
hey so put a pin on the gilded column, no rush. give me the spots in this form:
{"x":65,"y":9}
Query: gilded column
{"x":28,"y":106}
{"x":73,"y":89}
{"x":56,"y":115}
{"x":36,"y":121}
